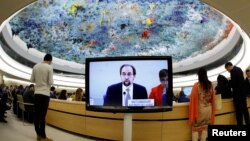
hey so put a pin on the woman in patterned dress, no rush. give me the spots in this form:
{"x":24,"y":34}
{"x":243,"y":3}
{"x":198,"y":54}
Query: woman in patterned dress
{"x":201,"y":109}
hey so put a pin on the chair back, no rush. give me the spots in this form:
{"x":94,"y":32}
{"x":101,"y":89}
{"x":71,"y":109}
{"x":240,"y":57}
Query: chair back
{"x":20,"y":102}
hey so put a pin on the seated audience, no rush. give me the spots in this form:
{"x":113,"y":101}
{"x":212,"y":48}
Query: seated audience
{"x":182,"y":97}
{"x":29,"y":97}
{"x":3,"y":103}
{"x":20,"y":90}
{"x":52,"y":92}
{"x":63,"y":95}
{"x":14,"y":99}
{"x":78,"y":95}
{"x":28,"y":94}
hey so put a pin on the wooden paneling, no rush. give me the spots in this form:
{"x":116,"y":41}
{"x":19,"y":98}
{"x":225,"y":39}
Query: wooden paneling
{"x":176,"y":131}
{"x":178,"y":112}
{"x":147,"y":131}
{"x":162,"y":126}
{"x":105,"y":114}
{"x":66,"y":121}
{"x":104,"y":128}
{"x":68,"y":106}
{"x":227,"y":106}
{"x":148,"y":116}
{"x":225,"y":119}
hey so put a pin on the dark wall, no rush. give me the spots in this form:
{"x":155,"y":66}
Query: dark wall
{"x":9,"y":7}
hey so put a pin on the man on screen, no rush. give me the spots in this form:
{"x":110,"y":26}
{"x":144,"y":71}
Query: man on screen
{"x":159,"y":92}
{"x":119,"y":94}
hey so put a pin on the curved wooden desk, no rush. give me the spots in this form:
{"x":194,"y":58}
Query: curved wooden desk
{"x":73,"y":117}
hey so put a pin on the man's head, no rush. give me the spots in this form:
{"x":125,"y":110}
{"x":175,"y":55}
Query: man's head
{"x":47,"y":58}
{"x":248,"y":73}
{"x":52,"y":88}
{"x":127,"y":73}
{"x":163,"y":76}
{"x":32,"y":87}
{"x":229,"y":66}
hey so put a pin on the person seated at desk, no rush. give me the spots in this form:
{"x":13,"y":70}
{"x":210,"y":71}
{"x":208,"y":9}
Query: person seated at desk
{"x":183,"y":97}
{"x":78,"y":95}
{"x":223,"y":87}
{"x":52,"y":93}
{"x":63,"y":95}
{"x":3,"y":103}
{"x":119,"y":94}
{"x":158,"y":93}
{"x":29,"y":97}
{"x":28,"y":94}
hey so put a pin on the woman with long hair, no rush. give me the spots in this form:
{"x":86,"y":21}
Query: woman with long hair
{"x":79,"y":94}
{"x":201,"y":109}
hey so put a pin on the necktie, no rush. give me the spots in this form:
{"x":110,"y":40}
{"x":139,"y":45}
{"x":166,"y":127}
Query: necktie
{"x":127,"y":97}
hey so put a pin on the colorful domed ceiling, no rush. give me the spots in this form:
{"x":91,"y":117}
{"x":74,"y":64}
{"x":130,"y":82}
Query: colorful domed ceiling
{"x":75,"y":29}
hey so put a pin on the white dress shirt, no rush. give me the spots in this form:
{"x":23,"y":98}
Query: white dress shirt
{"x":124,"y":92}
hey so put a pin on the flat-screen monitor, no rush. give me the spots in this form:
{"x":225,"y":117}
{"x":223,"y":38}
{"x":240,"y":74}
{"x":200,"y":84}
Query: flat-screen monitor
{"x":187,"y":90}
{"x":124,"y":84}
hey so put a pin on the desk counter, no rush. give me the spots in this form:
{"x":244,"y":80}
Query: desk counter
{"x":72,"y":116}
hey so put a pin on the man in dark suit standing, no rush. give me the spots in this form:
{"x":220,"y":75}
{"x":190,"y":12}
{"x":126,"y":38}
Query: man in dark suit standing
{"x":239,"y":93}
{"x":119,"y":94}
{"x":247,"y":82}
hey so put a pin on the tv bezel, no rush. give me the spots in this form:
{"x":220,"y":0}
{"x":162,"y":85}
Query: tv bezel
{"x":123,"y":109}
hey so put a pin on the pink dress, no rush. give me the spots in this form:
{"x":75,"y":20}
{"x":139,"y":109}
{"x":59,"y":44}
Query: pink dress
{"x":201,"y":112}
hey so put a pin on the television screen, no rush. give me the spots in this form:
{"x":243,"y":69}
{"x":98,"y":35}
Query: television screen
{"x":187,"y":90}
{"x":129,"y":84}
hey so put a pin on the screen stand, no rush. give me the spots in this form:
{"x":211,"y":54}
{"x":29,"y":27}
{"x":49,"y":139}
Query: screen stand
{"x":127,"y":127}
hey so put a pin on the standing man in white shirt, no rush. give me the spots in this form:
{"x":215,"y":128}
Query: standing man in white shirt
{"x":42,"y":76}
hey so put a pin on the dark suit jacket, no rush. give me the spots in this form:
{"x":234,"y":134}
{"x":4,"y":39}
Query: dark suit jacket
{"x":247,"y":84}
{"x":237,"y":82}
{"x":113,"y":95}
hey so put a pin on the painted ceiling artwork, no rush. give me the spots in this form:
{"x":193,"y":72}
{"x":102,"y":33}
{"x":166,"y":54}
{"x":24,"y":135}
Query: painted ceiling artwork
{"x":75,"y":29}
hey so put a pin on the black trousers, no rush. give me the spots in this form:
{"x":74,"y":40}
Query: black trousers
{"x":41,"y":107}
{"x":3,"y":107}
{"x":241,"y":110}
